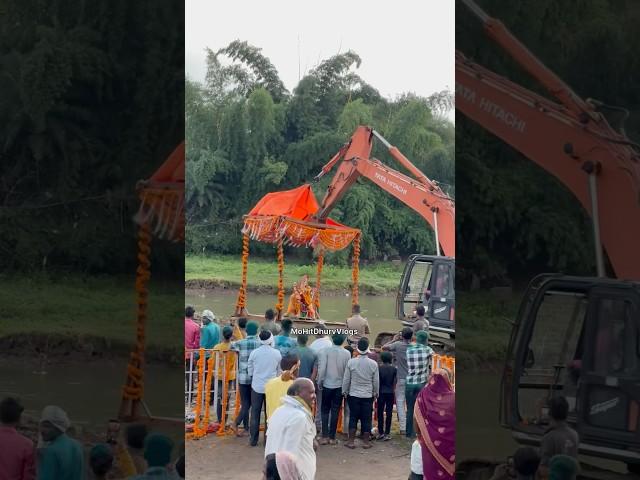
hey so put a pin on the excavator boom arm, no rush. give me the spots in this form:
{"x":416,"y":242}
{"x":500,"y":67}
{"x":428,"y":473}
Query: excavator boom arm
{"x":497,"y":31}
{"x":421,"y":194}
{"x":597,"y":164}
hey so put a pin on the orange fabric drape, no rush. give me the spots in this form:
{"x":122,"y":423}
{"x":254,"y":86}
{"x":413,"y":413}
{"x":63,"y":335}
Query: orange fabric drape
{"x":298,"y":233}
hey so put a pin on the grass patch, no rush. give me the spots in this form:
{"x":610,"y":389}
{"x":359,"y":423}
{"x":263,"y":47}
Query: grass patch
{"x":375,"y":278}
{"x":483,"y":326}
{"x":103,"y":307}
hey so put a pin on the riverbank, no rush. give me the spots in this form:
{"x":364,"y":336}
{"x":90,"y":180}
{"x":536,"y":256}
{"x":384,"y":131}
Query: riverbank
{"x":483,"y":327}
{"x":223,"y":272}
{"x":85,"y":318}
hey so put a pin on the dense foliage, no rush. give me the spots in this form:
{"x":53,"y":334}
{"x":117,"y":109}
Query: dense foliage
{"x":513,"y":218}
{"x":247,"y":135}
{"x":92,"y":101}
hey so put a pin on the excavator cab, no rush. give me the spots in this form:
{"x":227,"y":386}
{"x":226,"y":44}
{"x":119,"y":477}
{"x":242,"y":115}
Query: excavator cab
{"x":428,"y":280}
{"x":579,"y":338}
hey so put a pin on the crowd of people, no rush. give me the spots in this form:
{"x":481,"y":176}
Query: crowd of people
{"x":134,"y":454}
{"x":557,"y":458}
{"x":300,"y":390}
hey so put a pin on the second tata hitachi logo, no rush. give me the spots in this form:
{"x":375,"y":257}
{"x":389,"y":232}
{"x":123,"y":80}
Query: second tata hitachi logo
{"x":469,"y":95}
{"x":391,"y":183}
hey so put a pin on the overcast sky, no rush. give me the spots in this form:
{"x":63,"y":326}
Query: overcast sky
{"x":405,"y":45}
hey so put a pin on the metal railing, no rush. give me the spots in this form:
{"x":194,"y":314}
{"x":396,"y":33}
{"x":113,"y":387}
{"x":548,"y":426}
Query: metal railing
{"x":210,"y":383}
{"x":446,"y":362}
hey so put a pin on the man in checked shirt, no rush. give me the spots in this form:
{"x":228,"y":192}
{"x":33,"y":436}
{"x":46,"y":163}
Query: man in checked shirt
{"x":419,"y":356}
{"x":244,"y":348}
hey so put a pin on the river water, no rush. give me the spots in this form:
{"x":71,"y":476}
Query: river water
{"x":89,"y":392}
{"x":380,"y":310}
{"x":478,"y":432}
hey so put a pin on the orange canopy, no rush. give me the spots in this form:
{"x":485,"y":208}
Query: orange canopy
{"x":172,"y":170}
{"x":298,"y":203}
{"x":162,"y":198}
{"x":286,"y":215}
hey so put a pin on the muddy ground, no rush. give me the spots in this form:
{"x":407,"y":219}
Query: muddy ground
{"x":231,"y":458}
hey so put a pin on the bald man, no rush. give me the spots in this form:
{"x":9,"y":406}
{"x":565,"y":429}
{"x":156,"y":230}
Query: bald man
{"x":292,"y":427}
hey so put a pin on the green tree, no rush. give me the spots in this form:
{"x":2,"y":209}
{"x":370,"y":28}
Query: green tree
{"x":261,"y":142}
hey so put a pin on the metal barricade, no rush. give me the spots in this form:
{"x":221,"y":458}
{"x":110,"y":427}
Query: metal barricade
{"x":210,"y":383}
{"x":446,"y":362}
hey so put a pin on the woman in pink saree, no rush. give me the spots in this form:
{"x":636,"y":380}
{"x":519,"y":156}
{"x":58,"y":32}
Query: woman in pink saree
{"x":435,"y":418}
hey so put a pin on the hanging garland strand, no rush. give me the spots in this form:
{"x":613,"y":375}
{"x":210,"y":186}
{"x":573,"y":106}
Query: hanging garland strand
{"x":222,"y":429}
{"x":318,"y":277}
{"x":242,"y":294}
{"x":198,"y":431}
{"x":355,"y":272}
{"x":133,"y":390}
{"x":207,"y":394}
{"x":280,"y":304}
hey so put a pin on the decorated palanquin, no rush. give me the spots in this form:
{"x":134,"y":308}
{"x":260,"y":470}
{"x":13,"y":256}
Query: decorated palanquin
{"x":287,"y":218}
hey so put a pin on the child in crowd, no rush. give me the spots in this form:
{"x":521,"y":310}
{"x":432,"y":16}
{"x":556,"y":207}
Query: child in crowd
{"x":388,"y":375}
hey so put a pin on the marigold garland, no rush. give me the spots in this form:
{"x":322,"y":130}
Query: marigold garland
{"x":133,"y":390}
{"x":445,"y":361}
{"x":280,"y":304}
{"x":198,"y":431}
{"x":207,"y":393}
{"x":241,"y":303}
{"x":355,"y":272}
{"x":318,"y":277}
{"x":237,"y":403}
{"x":222,"y":430}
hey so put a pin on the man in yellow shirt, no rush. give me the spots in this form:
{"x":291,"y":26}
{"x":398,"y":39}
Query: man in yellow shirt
{"x":225,"y":366}
{"x":276,"y":388}
{"x":239,"y":329}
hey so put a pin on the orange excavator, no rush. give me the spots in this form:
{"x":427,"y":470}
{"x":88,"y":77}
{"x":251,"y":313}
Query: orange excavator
{"x":573,"y":336}
{"x":427,"y":279}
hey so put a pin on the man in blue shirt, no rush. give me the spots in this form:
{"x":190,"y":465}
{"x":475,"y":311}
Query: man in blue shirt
{"x":209,"y":338}
{"x":308,"y":359}
{"x":62,"y":457}
{"x":210,"y":334}
{"x":264,"y":364}
{"x":283,"y":342}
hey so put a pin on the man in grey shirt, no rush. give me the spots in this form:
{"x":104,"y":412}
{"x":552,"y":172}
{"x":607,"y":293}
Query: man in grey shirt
{"x":421,"y":323}
{"x":332,"y":362}
{"x":399,"y":349}
{"x":560,"y":439}
{"x":270,"y":324}
{"x":361,"y":384}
